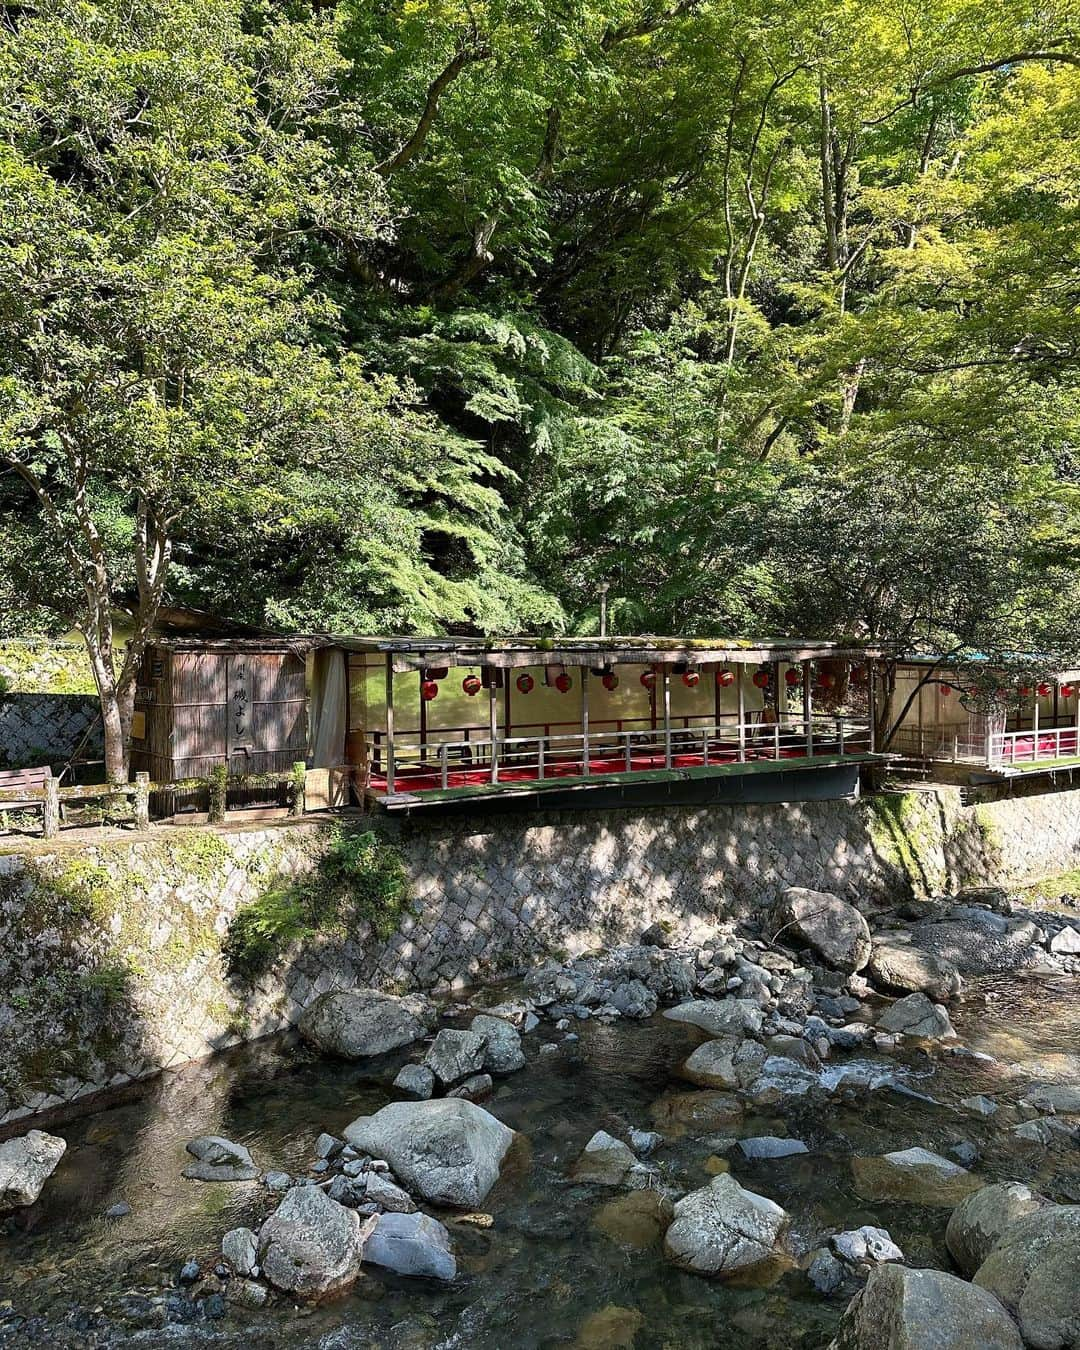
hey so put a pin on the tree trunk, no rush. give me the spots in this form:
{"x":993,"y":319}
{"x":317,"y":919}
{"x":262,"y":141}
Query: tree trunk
{"x":117,"y":730}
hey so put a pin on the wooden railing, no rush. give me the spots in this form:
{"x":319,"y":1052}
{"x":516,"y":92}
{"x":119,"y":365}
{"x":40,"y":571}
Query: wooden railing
{"x":1032,"y":746}
{"x":550,"y":755}
{"x":53,"y":799}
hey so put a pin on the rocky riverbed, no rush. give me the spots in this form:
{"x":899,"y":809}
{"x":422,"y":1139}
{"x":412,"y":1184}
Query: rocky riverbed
{"x":794,"y":1135}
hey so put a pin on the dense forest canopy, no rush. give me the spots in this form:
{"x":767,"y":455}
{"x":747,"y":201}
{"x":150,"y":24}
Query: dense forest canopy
{"x":425,"y":313}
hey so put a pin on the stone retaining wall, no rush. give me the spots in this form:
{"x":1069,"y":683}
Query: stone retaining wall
{"x":111,"y":962}
{"x":40,"y":729}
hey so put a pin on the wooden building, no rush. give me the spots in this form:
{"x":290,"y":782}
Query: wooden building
{"x":201,"y":703}
{"x":985,"y":720}
{"x":415,"y":724}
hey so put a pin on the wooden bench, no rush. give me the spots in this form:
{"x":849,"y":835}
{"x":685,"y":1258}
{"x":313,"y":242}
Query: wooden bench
{"x":31,"y":789}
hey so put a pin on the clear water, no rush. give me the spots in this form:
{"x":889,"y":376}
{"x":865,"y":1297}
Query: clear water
{"x":543,"y":1274}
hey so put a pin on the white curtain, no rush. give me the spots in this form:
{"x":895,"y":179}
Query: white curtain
{"x":328,"y":695}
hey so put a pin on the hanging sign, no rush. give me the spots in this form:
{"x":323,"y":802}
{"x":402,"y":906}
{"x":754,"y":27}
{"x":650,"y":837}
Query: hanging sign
{"x":241,"y":691}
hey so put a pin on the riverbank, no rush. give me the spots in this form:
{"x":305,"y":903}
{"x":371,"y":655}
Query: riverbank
{"x":573,"y":1252}
{"x":121,"y":957}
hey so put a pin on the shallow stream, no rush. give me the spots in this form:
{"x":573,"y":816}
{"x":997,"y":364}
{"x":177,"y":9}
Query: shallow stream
{"x":544,"y":1274}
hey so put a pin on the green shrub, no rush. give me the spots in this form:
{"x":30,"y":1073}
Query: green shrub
{"x":358,"y":879}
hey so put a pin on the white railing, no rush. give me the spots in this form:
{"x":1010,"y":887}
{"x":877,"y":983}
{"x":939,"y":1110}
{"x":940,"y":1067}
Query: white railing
{"x":1031,"y":747}
{"x":956,"y":744}
{"x":621,"y":751}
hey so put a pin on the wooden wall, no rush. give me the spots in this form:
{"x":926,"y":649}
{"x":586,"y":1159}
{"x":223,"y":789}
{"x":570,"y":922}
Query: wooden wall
{"x":205,"y":707}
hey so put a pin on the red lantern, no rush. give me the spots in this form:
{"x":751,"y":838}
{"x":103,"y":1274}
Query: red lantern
{"x":648,"y":678}
{"x":946,"y":690}
{"x":858,"y":675}
{"x":690,"y":679}
{"x":725,"y":678}
{"x":791,"y":677}
{"x":471,"y":684}
{"x":826,"y":680}
{"x":1025,"y":691}
{"x":761,"y":679}
{"x":1045,"y":691}
{"x":1067,"y":691}
{"x":609,"y":680}
{"x":429,"y":690}
{"x":563,"y":682}
{"x":525,"y":684}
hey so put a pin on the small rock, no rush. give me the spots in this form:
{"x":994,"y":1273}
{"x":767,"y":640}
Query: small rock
{"x":658,"y":935}
{"x":605,"y":1160}
{"x":26,"y":1163}
{"x":277,"y":1181}
{"x":727,"y":1062}
{"x":239,"y":1247}
{"x":417,"y":1080}
{"x":455,"y":1055}
{"x":219,"y":1159}
{"x":474,"y":1089}
{"x":247,"y":1294}
{"x":118,"y":1211}
{"x":979,"y":1106}
{"x":643,"y":1142}
{"x":326,"y":1146}
{"x":722,"y":1229}
{"x":916,"y":1016}
{"x":1061,"y":1099}
{"x":866,"y":1244}
{"x":1067,"y":942}
{"x":189,"y":1272}
{"x":1046,"y":1130}
{"x":411,"y":1244}
{"x":503,"y":1053}
{"x":765,"y":1146}
{"x":915,"y":1175}
{"x":825,"y":1272}
{"x":720,"y":1017}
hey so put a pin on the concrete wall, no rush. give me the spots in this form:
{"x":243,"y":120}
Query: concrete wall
{"x":111,"y":964}
{"x":39,"y":729}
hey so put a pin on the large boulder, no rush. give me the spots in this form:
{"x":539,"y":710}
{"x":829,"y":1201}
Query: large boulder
{"x":896,"y":963}
{"x":311,"y":1246}
{"x":916,"y":1016}
{"x":455,"y":1055}
{"x":1034,"y":1269}
{"x":727,"y":1062}
{"x":915,"y":1175}
{"x":448,"y":1150}
{"x":902,"y":1309}
{"x":720,"y":1017}
{"x":722,"y":1229}
{"x":356,"y":1023}
{"x":503,"y":1052}
{"x":977,"y":1223}
{"x":411,"y":1244}
{"x":26,"y":1164}
{"x":829,"y":926}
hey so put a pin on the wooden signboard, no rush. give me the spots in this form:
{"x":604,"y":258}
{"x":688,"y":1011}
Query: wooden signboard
{"x":241,"y":688}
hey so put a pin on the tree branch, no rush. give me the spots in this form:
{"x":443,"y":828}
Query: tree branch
{"x":438,"y":86}
{"x":648,"y":24}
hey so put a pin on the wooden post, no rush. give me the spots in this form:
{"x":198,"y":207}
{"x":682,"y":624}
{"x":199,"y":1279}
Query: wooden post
{"x":740,"y":688}
{"x":807,"y":706}
{"x":298,"y":789}
{"x":141,"y":802}
{"x":667,"y":718}
{"x":493,"y":721}
{"x":51,"y":815}
{"x":1035,"y":725}
{"x":586,"y":767}
{"x":391,"y":758}
{"x":871,"y":701}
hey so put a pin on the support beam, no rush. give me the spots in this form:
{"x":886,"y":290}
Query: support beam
{"x":391,"y":759}
{"x":740,"y":692}
{"x":586,"y":767}
{"x":871,"y":702}
{"x":667,"y":718}
{"x":807,"y":706}
{"x":493,"y":723}
{"x":1035,"y":724}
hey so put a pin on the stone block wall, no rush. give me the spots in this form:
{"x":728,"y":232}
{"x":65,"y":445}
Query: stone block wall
{"x":111,"y":954}
{"x":39,"y":729}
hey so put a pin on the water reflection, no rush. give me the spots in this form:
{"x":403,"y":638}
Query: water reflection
{"x":546,"y":1273}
